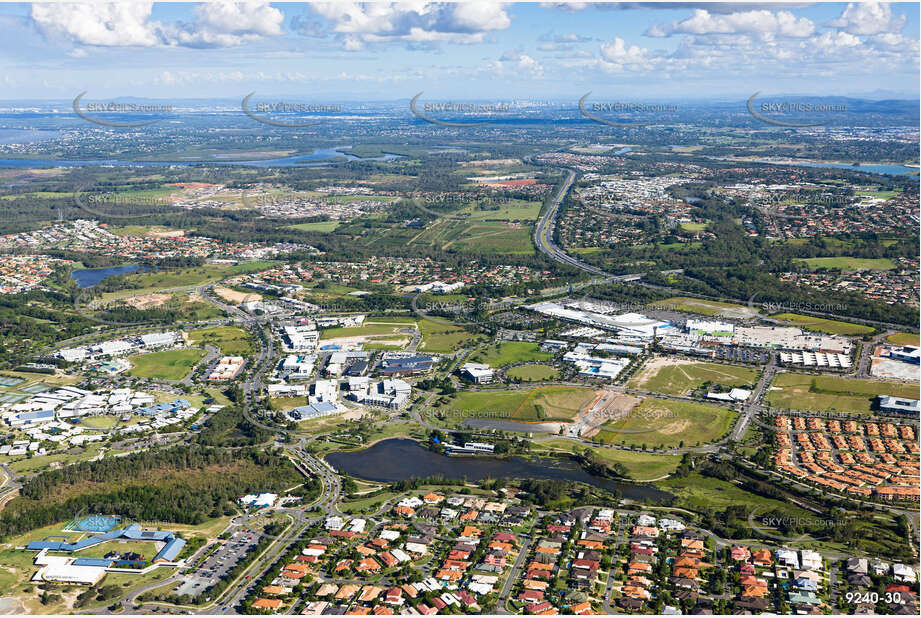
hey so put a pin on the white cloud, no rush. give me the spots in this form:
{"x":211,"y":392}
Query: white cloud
{"x":618,"y":53}
{"x":217,"y":24}
{"x":781,"y":23}
{"x":357,"y":24}
{"x":868,"y":18}
{"x":113,"y":25}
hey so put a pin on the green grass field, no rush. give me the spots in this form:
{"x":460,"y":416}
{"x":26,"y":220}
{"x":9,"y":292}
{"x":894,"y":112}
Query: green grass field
{"x":640,"y":466}
{"x":148,"y":282}
{"x":533,"y":373}
{"x":703,"y":307}
{"x":509,"y":352}
{"x":904,"y":339}
{"x":476,"y":236}
{"x":373,"y":327}
{"x":444,"y":338}
{"x":666,"y":423}
{"x":231,"y":340}
{"x":168,"y":365}
{"x":317,"y":226}
{"x":827,"y":393}
{"x":693,"y":227}
{"x":821,"y":325}
{"x":536,"y":404}
{"x":687,"y":377}
{"x":850,"y":264}
{"x":515,"y":210}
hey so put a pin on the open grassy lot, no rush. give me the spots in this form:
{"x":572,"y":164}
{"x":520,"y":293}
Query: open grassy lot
{"x":693,"y":227}
{"x":287,"y":403}
{"x":703,"y":307}
{"x":476,"y":236}
{"x":437,"y":337}
{"x":850,"y":264}
{"x":904,"y":339}
{"x":640,"y":466}
{"x":698,"y":493}
{"x":821,"y":325}
{"x":536,"y":404}
{"x":370,"y":328}
{"x":168,"y":365}
{"x":533,"y":372}
{"x":509,"y":352}
{"x":231,"y":340}
{"x":797,"y":391}
{"x":317,"y":226}
{"x":148,"y":549}
{"x":666,"y":423}
{"x":147,"y":282}
{"x":515,"y":210}
{"x":683,"y":378}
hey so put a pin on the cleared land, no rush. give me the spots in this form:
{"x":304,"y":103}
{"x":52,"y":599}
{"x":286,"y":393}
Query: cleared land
{"x":704,"y":307}
{"x":444,"y":338}
{"x":317,"y":226}
{"x":476,"y":236}
{"x":533,"y":373}
{"x":904,"y":339}
{"x":797,"y":391}
{"x":510,"y":352}
{"x":665,"y":423}
{"x":168,"y":365}
{"x":536,"y":404}
{"x":639,"y":466}
{"x":850,"y":264}
{"x":672,"y":376}
{"x":231,"y":341}
{"x":821,"y":325}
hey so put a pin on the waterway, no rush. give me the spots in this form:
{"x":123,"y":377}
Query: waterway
{"x":89,"y":277}
{"x":399,"y":459}
{"x":320,"y":156}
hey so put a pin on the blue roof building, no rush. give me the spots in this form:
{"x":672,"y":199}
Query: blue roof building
{"x":170,"y":551}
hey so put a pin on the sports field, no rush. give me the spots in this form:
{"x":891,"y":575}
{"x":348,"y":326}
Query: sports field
{"x":674,"y":377}
{"x":850,"y":264}
{"x":168,"y":365}
{"x":666,"y":423}
{"x":797,"y":391}
{"x":509,"y":352}
{"x":536,"y":404}
{"x":822,"y":325}
{"x":534,"y":372}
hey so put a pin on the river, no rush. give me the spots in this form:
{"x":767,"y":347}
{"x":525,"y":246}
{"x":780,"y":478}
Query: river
{"x":317,"y":158}
{"x":399,"y":459}
{"x":89,"y":277}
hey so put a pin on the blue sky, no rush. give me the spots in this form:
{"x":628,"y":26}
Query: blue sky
{"x":343,"y":51}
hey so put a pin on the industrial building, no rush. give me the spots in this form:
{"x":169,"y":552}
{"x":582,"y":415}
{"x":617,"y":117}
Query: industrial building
{"x":392,"y":394}
{"x":227,"y":368}
{"x":908,"y":354}
{"x":478,"y":373}
{"x":406,"y":365}
{"x":899,"y":405}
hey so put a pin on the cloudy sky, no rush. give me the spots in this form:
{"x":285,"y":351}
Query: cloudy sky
{"x":379,"y":51}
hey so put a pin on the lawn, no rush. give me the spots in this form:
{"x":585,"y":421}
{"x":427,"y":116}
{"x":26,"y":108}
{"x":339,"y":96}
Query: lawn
{"x":515,"y":210}
{"x":536,"y":404}
{"x":665,"y":423}
{"x":703,"y":307}
{"x":798,"y":391}
{"x":533,"y":373}
{"x":444,"y":338}
{"x":477,"y":236}
{"x":640,"y":466}
{"x":287,"y":403}
{"x":904,"y":339}
{"x":231,"y":340}
{"x":168,"y":365}
{"x":821,"y":325}
{"x":687,"y":377}
{"x":148,"y":549}
{"x":510,"y":352}
{"x":704,"y":493}
{"x":693,"y":227}
{"x":849,"y":264}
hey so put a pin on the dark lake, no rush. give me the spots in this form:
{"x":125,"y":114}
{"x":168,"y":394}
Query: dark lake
{"x":89,"y":277}
{"x":399,"y":459}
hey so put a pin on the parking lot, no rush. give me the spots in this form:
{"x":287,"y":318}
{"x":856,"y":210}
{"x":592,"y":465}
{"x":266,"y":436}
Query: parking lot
{"x":218,"y":564}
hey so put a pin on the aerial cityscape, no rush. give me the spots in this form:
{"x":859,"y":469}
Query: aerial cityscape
{"x":486,"y":308}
